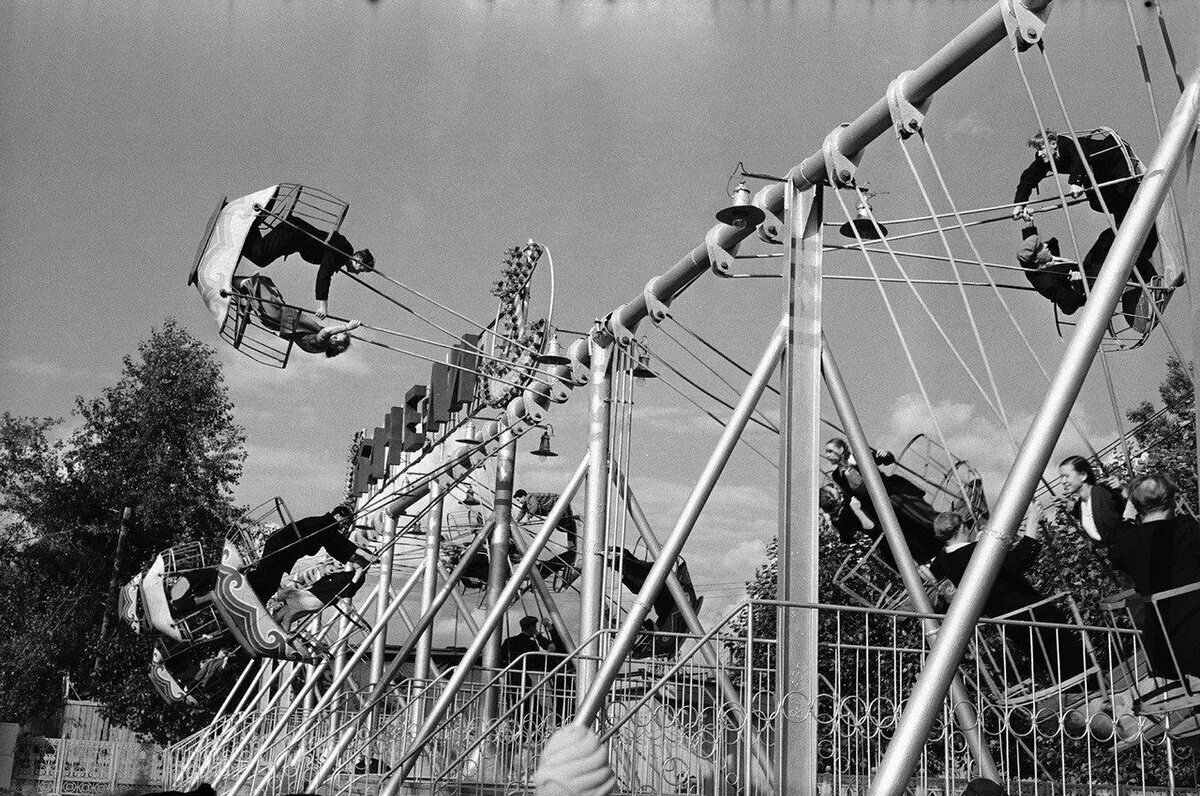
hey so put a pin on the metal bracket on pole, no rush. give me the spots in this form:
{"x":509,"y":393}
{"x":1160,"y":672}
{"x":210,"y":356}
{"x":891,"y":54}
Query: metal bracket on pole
{"x":656,"y":309}
{"x":771,"y":229}
{"x":841,"y":169}
{"x":620,"y":332}
{"x":720,"y":260}
{"x":1024,"y":26}
{"x":907,"y":118}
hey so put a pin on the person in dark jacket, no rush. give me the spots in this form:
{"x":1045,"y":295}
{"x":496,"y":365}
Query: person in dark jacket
{"x":1050,"y":275}
{"x":913,"y":512}
{"x":1161,"y":551}
{"x":528,"y":640}
{"x":540,"y":504}
{"x":1093,"y":505}
{"x":1010,"y":595}
{"x":294,"y":235}
{"x":308,"y":335}
{"x":1111,"y":161}
{"x":305,"y":537}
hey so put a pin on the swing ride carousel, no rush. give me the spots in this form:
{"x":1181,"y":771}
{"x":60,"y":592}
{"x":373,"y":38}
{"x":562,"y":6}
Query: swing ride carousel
{"x":865,"y":671}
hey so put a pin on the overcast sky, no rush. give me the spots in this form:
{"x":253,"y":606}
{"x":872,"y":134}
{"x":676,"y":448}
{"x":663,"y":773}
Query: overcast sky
{"x":606,"y":131}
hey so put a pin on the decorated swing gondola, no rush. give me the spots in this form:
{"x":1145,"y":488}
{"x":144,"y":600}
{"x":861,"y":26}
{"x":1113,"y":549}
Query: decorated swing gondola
{"x":250,"y":313}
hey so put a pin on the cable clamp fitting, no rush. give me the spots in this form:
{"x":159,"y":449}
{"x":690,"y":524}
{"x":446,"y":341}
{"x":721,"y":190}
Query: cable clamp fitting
{"x":720,"y":259}
{"x":1024,"y":27}
{"x":838,"y":167}
{"x":619,"y":331}
{"x":656,"y":309}
{"x":907,"y":118}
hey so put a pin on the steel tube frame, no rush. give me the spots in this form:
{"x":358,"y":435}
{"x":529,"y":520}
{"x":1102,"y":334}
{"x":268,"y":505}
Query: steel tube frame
{"x":921,"y":84}
{"x":590,"y":705}
{"x":595,"y":528}
{"x":464,"y":610}
{"x":904,"y":750}
{"x":330,"y":694}
{"x":264,"y":673}
{"x":725,"y":686}
{"x":386,"y":562}
{"x":498,"y":569}
{"x":968,"y":721}
{"x":433,"y":546}
{"x":449,"y":585}
{"x":490,"y":624}
{"x":547,"y":597}
{"x":799,"y":526}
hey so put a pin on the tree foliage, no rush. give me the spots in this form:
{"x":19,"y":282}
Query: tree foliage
{"x":162,"y":441}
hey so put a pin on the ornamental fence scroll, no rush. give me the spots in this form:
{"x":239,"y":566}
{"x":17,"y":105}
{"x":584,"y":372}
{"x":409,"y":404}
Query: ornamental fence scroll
{"x":1052,"y":697}
{"x":74,"y":767}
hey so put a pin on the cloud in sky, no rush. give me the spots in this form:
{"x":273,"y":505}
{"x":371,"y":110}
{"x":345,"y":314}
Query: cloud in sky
{"x":42,"y":369}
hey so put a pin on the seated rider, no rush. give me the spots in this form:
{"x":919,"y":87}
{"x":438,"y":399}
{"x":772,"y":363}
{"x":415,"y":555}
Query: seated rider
{"x":913,"y":512}
{"x":1061,"y":280}
{"x":305,"y":537}
{"x":668,"y":618}
{"x":1111,"y":161}
{"x":1051,"y":276}
{"x":294,"y":235}
{"x":1161,"y":551}
{"x":1010,"y":593}
{"x":307,"y":334}
{"x":846,"y":514}
{"x":539,"y":504}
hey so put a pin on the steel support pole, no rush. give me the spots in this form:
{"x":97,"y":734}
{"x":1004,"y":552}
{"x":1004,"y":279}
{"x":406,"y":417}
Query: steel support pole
{"x":904,"y":751}
{"x":386,"y":562}
{"x":449,"y":586}
{"x":490,"y":624}
{"x":799,"y":442}
{"x":726,"y":688}
{"x":964,"y":712}
{"x":262,"y":675}
{"x":464,"y":610}
{"x":498,"y":569}
{"x":547,"y":597}
{"x":590,"y":705}
{"x":595,"y":520}
{"x":433,"y":546}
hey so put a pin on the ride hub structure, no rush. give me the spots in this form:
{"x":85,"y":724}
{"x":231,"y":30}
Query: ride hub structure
{"x":895,"y":646}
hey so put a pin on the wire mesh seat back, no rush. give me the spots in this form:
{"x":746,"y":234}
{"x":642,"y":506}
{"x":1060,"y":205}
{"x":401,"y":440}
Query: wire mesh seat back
{"x":319,"y":208}
{"x":246,"y":330}
{"x":1158,"y":677}
{"x":950,"y":483}
{"x":1027,"y":656}
{"x":248,"y":535}
{"x":183,"y":557}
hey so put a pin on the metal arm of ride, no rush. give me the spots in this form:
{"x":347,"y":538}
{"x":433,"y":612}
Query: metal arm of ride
{"x":919,"y":86}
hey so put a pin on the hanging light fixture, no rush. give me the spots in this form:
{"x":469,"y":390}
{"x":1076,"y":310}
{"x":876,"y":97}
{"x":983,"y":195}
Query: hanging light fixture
{"x":553,"y":354}
{"x":741,"y":213}
{"x":469,"y":499}
{"x":543,"y":451}
{"x":470,"y":436}
{"x":864,"y":222}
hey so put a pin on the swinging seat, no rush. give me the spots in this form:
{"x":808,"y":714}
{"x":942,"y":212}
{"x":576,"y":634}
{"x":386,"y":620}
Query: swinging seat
{"x":1109,"y":154}
{"x":251,"y":624}
{"x":129,"y":605}
{"x":220,"y":254}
